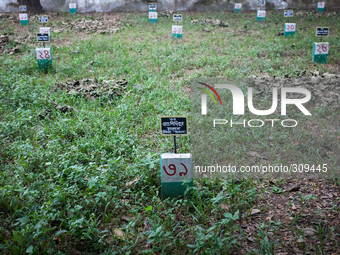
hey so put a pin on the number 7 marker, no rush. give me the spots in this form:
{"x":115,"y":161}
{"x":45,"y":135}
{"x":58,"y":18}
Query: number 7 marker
{"x":175,"y":168}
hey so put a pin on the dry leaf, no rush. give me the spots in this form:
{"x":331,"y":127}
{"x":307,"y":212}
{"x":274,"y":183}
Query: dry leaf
{"x":132,"y":182}
{"x":310,"y":231}
{"x":294,"y":188}
{"x":120,"y":234}
{"x":126,"y":218}
{"x":255,"y":211}
{"x":224,"y":206}
{"x":255,"y":154}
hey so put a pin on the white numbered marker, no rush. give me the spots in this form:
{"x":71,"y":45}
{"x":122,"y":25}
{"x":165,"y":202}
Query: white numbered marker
{"x":45,"y":30}
{"x":321,"y":48}
{"x":43,"y":53}
{"x":152,"y":15}
{"x":238,"y":6}
{"x":23,"y":16}
{"x":261,"y":13}
{"x":290,"y":27}
{"x":177,"y":29}
{"x":72,"y":5}
{"x":321,"y":5}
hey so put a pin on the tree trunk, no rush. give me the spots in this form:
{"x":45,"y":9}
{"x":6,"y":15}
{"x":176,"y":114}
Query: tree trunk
{"x":33,"y":6}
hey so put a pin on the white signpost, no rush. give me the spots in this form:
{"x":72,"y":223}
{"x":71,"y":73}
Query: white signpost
{"x":175,"y":168}
{"x":237,"y":7}
{"x":152,"y":7}
{"x":152,"y":17}
{"x":72,"y":7}
{"x":261,"y":15}
{"x":289,"y":29}
{"x":46,"y":30}
{"x":321,"y":6}
{"x":320,"y":50}
{"x":177,"y":31}
{"x":23,"y":19}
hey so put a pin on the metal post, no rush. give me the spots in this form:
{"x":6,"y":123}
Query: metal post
{"x":175,"y":143}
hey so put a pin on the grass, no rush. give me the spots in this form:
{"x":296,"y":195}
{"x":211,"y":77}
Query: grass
{"x":63,"y":178}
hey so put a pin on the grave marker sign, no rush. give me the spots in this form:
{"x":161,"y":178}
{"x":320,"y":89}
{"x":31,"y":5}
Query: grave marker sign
{"x":177,"y":17}
{"x":321,"y":6}
{"x":152,"y":7}
{"x":23,"y":19}
{"x":44,"y":57}
{"x":177,"y":31}
{"x":152,"y":17}
{"x":289,"y":29}
{"x":288,"y":13}
{"x":237,"y":7}
{"x":43,"y":19}
{"x":42,"y":37}
{"x":175,"y":168}
{"x":322,"y":31}
{"x":261,"y":15}
{"x":23,"y":8}
{"x":320,"y":52}
{"x":73,"y":8}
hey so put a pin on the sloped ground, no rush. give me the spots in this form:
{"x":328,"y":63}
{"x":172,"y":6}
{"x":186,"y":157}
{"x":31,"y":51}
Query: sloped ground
{"x":80,"y":146}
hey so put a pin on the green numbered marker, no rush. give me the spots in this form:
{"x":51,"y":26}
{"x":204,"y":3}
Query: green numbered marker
{"x":73,"y":8}
{"x":44,"y":58}
{"x":320,"y":52}
{"x":177,"y":31}
{"x":289,"y":29}
{"x":175,"y":169}
{"x":261,"y":15}
{"x":237,"y":7}
{"x":152,"y":17}
{"x":321,"y":6}
{"x":23,"y":19}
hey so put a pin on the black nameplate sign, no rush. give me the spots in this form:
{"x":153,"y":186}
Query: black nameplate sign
{"x":43,"y":19}
{"x":174,"y":125}
{"x":22,"y":8}
{"x":42,"y":37}
{"x":177,"y":17}
{"x":322,"y":31}
{"x":288,"y":13}
{"x":152,"y":6}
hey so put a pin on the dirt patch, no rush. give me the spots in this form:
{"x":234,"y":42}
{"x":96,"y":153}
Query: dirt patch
{"x":212,"y":22}
{"x":94,"y":88}
{"x":297,"y":215}
{"x":324,"y":88}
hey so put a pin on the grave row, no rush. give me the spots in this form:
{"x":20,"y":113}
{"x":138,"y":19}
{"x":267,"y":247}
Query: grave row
{"x":175,"y":168}
{"x":44,"y":55}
